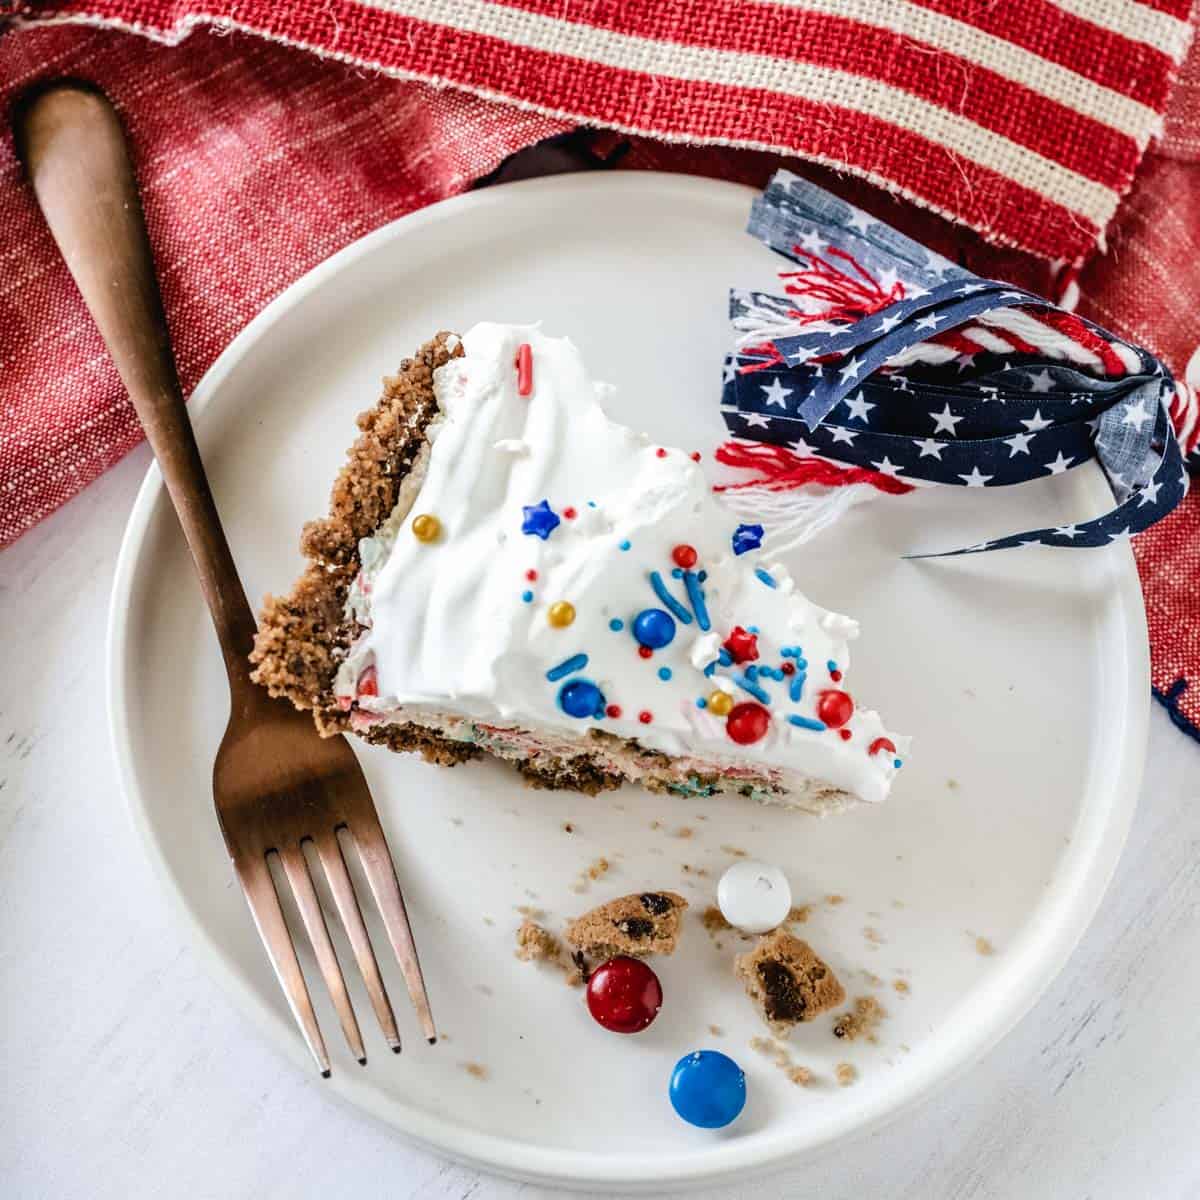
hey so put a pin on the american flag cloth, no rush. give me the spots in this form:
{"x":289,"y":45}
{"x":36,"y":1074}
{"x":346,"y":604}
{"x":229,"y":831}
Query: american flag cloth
{"x":1025,"y":120}
{"x":884,"y":355}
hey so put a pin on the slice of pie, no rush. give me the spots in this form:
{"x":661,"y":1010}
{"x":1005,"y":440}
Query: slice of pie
{"x":505,"y":569}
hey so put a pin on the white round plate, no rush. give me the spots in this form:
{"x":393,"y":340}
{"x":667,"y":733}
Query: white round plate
{"x":1023,"y":676}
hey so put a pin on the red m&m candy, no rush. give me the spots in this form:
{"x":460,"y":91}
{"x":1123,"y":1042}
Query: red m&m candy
{"x":834,"y":708}
{"x":747,"y":723}
{"x":624,"y":995}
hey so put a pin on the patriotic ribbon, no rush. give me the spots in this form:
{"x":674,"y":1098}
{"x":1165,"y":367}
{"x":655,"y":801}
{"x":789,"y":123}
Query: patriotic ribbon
{"x":883,"y":355}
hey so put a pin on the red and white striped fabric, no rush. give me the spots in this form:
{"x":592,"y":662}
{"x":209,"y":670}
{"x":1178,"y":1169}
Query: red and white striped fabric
{"x":1023,"y":120}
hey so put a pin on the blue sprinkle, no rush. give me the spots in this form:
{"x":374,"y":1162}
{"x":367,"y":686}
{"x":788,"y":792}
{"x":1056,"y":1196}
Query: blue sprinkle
{"x":567,"y":667}
{"x":702,"y":576}
{"x":701,"y":702}
{"x":660,"y":590}
{"x":725,"y":657}
{"x":691,"y":581}
{"x":787,"y":652}
{"x":747,"y":537}
{"x":831,"y":666}
{"x":765,"y":576}
{"x":616,"y":624}
{"x":802,"y":664}
{"x":540,"y":519}
{"x":664,"y":673}
{"x":752,"y":672}
{"x":753,"y":688}
{"x":897,"y":763}
{"x":712,"y":666}
{"x":807,"y":723}
{"x":677,"y":573}
{"x":796,"y":689}
{"x":591,"y":504}
{"x":751,"y":628}
{"x":772,"y":673}
{"x":527,"y":596}
{"x":625,"y":544}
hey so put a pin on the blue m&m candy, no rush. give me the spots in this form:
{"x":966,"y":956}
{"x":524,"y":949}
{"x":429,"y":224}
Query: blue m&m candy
{"x":708,"y":1089}
{"x":654,"y":628}
{"x":581,"y":698}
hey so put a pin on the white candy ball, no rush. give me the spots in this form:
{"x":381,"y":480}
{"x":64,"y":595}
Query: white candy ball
{"x":754,"y":896}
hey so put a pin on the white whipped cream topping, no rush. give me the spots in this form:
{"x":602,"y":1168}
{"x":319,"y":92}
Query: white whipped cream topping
{"x":449,"y":629}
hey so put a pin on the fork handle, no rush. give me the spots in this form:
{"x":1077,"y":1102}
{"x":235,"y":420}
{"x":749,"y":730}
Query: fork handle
{"x":74,"y":150}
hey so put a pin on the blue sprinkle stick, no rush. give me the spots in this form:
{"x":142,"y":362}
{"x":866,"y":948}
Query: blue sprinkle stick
{"x":725,"y":658}
{"x":765,"y":576}
{"x":807,"y":723}
{"x":568,"y":665}
{"x":691,"y":581}
{"x":660,"y":590}
{"x":831,"y":666}
{"x":712,"y":666}
{"x":748,"y":685}
{"x":796,"y":687}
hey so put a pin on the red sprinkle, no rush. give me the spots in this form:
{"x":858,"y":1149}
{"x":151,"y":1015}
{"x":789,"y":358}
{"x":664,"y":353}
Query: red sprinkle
{"x":742,"y":645}
{"x":531,"y":575}
{"x":524,"y":365}
{"x":661,"y":452}
{"x":747,"y":723}
{"x":788,"y":668}
{"x":570,"y":514}
{"x":613,"y":710}
{"x":882,"y":743}
{"x":836,"y":676}
{"x":684,"y":555}
{"x":846,"y":735}
{"x":695,"y":456}
{"x":645,"y":716}
{"x":645,"y":651}
{"x":368,"y":683}
{"x":834,"y":708}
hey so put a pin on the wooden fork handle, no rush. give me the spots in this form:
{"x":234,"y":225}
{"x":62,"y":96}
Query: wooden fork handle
{"x":74,"y":150}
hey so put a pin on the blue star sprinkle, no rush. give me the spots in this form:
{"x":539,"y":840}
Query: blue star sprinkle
{"x":540,"y":519}
{"x":747,"y":537}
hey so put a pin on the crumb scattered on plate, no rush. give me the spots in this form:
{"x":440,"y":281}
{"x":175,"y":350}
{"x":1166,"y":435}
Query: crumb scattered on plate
{"x":716,"y":1031}
{"x":475,"y":1070}
{"x":527,"y":910}
{"x":684,"y":831}
{"x":735,"y":851}
{"x":798,"y":914}
{"x":833,"y":899}
{"x":952,"y":784}
{"x":984,"y":946}
{"x":846,"y":1074}
{"x":488,"y":921}
{"x":873,"y":935}
{"x":902,"y":986}
{"x":714,"y":920}
{"x":861,"y":1021}
{"x":700,"y":872}
{"x":800,"y":1076}
{"x":568,"y":827}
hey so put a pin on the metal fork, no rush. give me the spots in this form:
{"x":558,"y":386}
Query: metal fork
{"x":277,"y":784}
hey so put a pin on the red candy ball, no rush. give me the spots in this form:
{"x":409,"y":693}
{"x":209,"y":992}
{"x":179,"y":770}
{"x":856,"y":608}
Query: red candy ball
{"x":624,"y":995}
{"x":834,"y":708}
{"x":788,"y":668}
{"x":684,"y":556}
{"x":613,"y":710}
{"x":845,"y":734}
{"x":645,"y":716}
{"x":645,"y":651}
{"x":747,"y":723}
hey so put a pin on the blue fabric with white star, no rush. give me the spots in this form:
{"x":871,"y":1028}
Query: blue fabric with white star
{"x":982,"y":420}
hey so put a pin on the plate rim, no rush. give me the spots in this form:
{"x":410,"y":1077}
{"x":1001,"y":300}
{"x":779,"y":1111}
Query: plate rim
{"x":1050,"y":948}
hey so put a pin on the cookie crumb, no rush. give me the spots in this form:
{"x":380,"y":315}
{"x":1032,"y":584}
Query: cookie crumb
{"x":834,"y":899}
{"x":873,"y":935}
{"x":862,"y":1021}
{"x":599,"y":868}
{"x":901,"y":985}
{"x":568,"y":827}
{"x":872,"y":978}
{"x":984,"y":946}
{"x":716,"y":1031}
{"x":846,"y":1074}
{"x":535,"y":944}
{"x":475,"y":1070}
{"x":527,"y":910}
{"x":798,"y":914}
{"x":638,"y":924}
{"x":787,"y":981}
{"x":800,"y":1076}
{"x":655,"y":824}
{"x":952,"y":784}
{"x":714,"y":919}
{"x":699,"y":872}
{"x":684,"y":831}
{"x":735,"y":851}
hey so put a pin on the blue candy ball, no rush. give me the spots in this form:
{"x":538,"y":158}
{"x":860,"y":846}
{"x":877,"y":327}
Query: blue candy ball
{"x":654,"y":628}
{"x":580,"y":698}
{"x":708,"y":1089}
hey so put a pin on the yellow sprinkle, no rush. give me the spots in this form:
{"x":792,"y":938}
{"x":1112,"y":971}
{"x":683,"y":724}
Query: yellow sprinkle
{"x":426,"y":528}
{"x":561,"y":614}
{"x":720,"y":703}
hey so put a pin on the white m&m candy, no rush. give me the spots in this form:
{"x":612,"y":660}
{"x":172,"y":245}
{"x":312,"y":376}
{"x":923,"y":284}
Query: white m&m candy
{"x":754,"y":896}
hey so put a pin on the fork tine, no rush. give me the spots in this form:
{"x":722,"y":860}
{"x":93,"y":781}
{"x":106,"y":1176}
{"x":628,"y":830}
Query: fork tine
{"x":330,"y":851}
{"x":259,"y":889}
{"x":385,"y":887}
{"x":296,"y":868}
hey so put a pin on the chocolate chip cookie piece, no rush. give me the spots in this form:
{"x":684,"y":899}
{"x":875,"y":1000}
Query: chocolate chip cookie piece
{"x":787,"y":981}
{"x":640,"y":924}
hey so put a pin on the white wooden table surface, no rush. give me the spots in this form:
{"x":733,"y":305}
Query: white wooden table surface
{"x":126,"y":1073}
